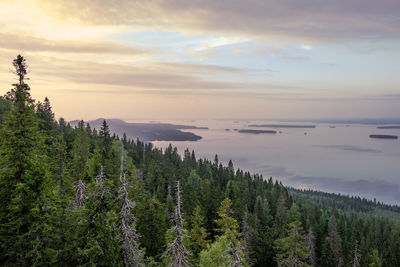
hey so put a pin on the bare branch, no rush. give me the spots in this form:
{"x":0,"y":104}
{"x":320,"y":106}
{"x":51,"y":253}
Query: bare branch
{"x":80,"y":196}
{"x":131,"y":252}
{"x":176,"y":250}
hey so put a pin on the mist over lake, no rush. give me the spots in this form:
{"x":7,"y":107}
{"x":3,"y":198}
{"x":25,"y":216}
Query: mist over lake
{"x":331,"y":157}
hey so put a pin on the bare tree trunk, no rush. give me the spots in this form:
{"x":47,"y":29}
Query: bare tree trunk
{"x":80,"y":196}
{"x":176,"y":250}
{"x":310,"y":245}
{"x":356,"y":258}
{"x":131,"y":253}
{"x":246,"y":236}
{"x":335,"y":241}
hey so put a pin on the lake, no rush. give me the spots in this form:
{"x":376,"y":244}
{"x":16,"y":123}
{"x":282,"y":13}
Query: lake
{"x":331,"y":157}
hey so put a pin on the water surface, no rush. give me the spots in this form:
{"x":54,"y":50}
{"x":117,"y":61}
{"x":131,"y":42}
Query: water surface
{"x":342,"y":159}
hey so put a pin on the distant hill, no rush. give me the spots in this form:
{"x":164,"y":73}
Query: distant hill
{"x":147,"y":131}
{"x":389,"y":127}
{"x":346,"y":203}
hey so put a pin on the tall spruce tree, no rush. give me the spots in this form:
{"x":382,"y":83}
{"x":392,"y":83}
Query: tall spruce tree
{"x":24,"y":180}
{"x":198,"y":233}
{"x":291,"y":251}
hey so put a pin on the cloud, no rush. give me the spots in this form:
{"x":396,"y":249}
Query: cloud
{"x":19,"y":42}
{"x":306,"y":47}
{"x":150,"y":75}
{"x":313,"y":20}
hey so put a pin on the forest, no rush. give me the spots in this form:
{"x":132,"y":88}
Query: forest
{"x":77,"y":196}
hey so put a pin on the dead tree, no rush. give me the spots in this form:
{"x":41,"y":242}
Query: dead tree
{"x":132,"y":255}
{"x":176,"y":250}
{"x":311,"y":249}
{"x":80,"y":196}
{"x":236,"y":253}
{"x":246,"y":235}
{"x":335,"y":241}
{"x":356,"y":257}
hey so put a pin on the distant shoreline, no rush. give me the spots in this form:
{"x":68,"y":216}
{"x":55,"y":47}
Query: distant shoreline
{"x":389,"y":127}
{"x":282,"y":126}
{"x":257,"y":131}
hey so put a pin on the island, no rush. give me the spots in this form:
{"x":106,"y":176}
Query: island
{"x":383,"y":136}
{"x":389,"y":127}
{"x":282,"y":126}
{"x":250,"y":131}
{"x":147,"y":131}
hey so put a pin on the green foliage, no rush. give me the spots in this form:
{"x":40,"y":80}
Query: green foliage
{"x":151,"y":224}
{"x":292,"y":249}
{"x":226,"y":224}
{"x":5,"y":106}
{"x":198,"y":234}
{"x":374,"y":260}
{"x":217,"y":254}
{"x":25,"y":184}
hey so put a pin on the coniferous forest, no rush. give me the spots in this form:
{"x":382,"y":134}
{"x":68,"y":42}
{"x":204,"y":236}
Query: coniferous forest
{"x":77,"y":196}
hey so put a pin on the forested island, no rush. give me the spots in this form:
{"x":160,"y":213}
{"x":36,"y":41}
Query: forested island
{"x":283,"y":126}
{"x":251,"y":131}
{"x":77,"y":196}
{"x":148,"y":131}
{"x":383,"y":136}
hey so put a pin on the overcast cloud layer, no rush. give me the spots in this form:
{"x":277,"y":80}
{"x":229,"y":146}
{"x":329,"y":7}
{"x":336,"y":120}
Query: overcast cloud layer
{"x":176,"y":58}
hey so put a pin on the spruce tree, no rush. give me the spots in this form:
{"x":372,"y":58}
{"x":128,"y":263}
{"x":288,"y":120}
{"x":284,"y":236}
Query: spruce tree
{"x":291,"y":251}
{"x":198,"y":234}
{"x":335,"y":243}
{"x":25,"y":187}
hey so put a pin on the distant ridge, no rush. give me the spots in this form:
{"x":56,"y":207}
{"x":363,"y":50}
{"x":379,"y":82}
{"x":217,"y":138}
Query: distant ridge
{"x":389,"y":127}
{"x":147,"y":131}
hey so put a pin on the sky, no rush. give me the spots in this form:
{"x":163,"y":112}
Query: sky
{"x":173,"y":59}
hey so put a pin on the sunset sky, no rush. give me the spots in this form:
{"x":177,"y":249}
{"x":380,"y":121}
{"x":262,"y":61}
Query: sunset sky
{"x":207,"y":59}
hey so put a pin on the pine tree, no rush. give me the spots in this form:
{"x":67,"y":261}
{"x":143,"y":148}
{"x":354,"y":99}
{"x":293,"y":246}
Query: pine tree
{"x":25,"y":187}
{"x":47,"y":122}
{"x":227,"y":225}
{"x":335,"y":242}
{"x":374,"y":260}
{"x":79,"y":153}
{"x":198,"y":234}
{"x":311,"y":248}
{"x":291,"y":251}
{"x":105,"y":142}
{"x":98,"y":243}
{"x":151,"y":225}
{"x":327,"y":258}
{"x":217,"y":254}
{"x":176,"y":251}
{"x":5,"y":106}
